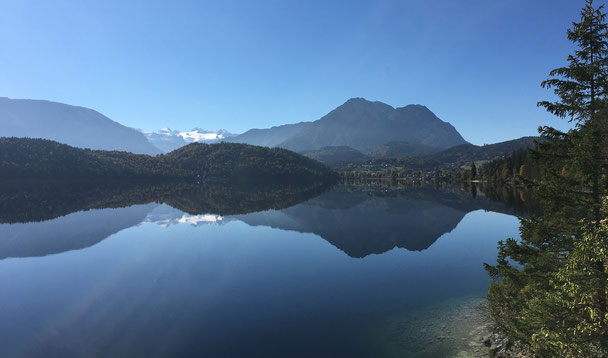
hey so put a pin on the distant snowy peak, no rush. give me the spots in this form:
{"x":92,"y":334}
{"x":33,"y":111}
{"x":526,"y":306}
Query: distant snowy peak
{"x":195,"y":135}
{"x":202,"y":135}
{"x":167,"y":139}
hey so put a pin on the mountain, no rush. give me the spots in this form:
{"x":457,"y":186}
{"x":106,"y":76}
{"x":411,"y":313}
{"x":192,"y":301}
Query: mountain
{"x":76,"y":126}
{"x":361,"y":125}
{"x":453,"y":158}
{"x":168,"y":140}
{"x":270,"y":137}
{"x":333,"y":155}
{"x":364,"y":125}
{"x":23,"y":159}
{"x":165,"y":139}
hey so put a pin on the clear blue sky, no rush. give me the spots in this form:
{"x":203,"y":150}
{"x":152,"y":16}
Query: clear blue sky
{"x":252,"y":64}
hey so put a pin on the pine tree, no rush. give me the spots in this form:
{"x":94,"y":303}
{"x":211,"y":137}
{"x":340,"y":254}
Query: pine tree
{"x":582,"y":85}
{"x":555,"y":300}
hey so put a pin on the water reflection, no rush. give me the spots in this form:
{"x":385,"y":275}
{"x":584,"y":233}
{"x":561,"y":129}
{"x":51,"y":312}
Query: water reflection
{"x":213,"y":272}
{"x":371,"y":220}
{"x":27,"y":203}
{"x":70,"y":232}
{"x":364,"y":220}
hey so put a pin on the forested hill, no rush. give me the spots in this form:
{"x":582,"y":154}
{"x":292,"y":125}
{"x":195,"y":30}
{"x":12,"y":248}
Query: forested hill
{"x":23,"y":159}
{"x":450,"y":159}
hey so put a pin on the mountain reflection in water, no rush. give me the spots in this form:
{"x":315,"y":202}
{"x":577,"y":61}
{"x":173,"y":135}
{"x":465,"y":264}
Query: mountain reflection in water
{"x":188,"y":270}
{"x":50,"y":219}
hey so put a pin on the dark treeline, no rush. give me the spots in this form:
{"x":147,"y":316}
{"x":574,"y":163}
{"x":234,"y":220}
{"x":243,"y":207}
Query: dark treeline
{"x":450,"y":160}
{"x":516,"y":168}
{"x":23,"y":159}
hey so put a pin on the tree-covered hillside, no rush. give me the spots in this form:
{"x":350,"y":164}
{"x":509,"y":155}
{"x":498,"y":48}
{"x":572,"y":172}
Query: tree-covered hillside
{"x":335,"y":155}
{"x":516,"y":168}
{"x":243,"y":163}
{"x":23,"y":159}
{"x":454,"y":158}
{"x":397,"y":149}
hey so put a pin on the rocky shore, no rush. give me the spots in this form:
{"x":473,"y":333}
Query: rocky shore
{"x":498,"y":346}
{"x":460,"y":328}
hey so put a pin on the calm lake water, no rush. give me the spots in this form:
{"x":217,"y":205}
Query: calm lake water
{"x":348,"y":273}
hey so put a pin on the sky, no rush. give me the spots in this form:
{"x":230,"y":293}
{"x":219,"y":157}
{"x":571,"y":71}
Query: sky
{"x":247,"y":64}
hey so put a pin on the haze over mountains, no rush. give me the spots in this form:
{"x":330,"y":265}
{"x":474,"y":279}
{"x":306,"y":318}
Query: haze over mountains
{"x":76,"y":126}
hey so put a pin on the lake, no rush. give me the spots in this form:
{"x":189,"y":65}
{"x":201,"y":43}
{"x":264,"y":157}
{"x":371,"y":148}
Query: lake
{"x":348,"y":272}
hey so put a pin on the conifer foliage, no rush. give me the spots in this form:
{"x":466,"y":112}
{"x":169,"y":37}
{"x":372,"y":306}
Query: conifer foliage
{"x":582,"y":86}
{"x":549,"y":289}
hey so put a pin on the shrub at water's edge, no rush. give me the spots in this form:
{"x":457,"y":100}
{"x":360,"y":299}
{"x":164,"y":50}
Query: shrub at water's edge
{"x":25,"y":159}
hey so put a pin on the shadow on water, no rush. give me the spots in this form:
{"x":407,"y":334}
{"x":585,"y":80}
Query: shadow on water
{"x":359,"y":220}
